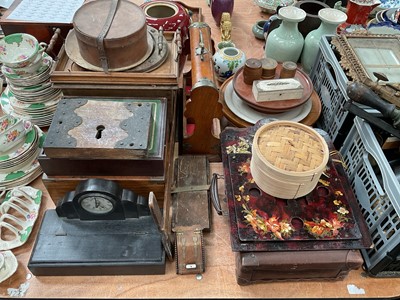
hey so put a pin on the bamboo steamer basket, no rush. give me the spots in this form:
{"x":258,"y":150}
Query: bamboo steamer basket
{"x":126,"y":42}
{"x":288,"y":159}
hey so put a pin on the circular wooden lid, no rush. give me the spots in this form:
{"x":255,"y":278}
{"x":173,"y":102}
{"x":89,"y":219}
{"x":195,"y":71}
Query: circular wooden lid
{"x":129,"y":20}
{"x":289,"y":65}
{"x":253,"y":63}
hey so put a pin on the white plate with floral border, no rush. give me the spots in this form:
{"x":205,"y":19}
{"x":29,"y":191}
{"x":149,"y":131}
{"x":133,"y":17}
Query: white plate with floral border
{"x":20,"y":151}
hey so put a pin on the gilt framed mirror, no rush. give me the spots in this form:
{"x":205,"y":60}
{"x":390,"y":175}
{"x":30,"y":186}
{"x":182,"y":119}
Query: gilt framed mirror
{"x":373,"y":59}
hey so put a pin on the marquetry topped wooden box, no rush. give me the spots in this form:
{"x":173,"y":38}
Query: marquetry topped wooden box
{"x":102,"y":128}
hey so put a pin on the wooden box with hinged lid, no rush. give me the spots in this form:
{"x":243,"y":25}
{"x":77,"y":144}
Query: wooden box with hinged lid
{"x":107,"y":128}
{"x":107,"y":136}
{"x":87,"y":134}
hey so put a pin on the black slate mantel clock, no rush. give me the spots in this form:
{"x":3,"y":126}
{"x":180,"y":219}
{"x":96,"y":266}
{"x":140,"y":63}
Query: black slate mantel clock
{"x":98,"y":229}
{"x":100,"y":199}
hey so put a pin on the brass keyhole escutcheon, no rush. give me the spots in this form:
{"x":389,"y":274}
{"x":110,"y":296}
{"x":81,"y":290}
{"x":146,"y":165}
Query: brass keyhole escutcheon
{"x":99,"y":129}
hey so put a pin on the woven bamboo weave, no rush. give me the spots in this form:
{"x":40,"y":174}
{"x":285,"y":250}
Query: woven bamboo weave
{"x":288,"y":159}
{"x":291,"y":148}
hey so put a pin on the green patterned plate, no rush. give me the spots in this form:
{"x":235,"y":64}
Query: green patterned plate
{"x":28,"y":171}
{"x":19,"y":150}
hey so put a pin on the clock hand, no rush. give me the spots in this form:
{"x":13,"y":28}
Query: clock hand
{"x":96,"y":202}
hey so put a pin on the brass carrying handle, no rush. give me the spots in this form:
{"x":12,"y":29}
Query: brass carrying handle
{"x":214,"y":193}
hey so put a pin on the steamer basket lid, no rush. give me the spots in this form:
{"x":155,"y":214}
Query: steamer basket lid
{"x":89,"y":19}
{"x":291,"y":146}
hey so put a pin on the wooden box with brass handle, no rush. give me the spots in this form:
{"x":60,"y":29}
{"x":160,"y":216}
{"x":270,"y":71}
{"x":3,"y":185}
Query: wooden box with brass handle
{"x":202,"y":109}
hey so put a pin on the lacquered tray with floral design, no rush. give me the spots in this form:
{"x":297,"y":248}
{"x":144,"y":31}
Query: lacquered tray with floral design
{"x":322,"y":214}
{"x":327,"y":218}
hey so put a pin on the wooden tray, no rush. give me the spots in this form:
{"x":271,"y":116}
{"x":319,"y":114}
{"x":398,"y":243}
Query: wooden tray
{"x":245,"y":92}
{"x":65,"y":73}
{"x":328,"y":265}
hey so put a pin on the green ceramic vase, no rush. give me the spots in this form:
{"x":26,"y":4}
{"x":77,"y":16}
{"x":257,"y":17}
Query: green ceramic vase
{"x":286,"y":42}
{"x":330,"y":19}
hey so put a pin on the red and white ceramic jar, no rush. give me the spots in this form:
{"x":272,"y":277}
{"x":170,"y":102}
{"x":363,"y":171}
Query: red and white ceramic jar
{"x":168,"y":14}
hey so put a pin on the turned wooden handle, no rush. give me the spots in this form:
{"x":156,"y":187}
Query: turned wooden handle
{"x":53,"y":40}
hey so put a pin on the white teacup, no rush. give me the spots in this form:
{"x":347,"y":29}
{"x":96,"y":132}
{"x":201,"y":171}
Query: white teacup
{"x":14,"y":131}
{"x":6,"y":122}
{"x":28,"y":70}
{"x":19,"y":50}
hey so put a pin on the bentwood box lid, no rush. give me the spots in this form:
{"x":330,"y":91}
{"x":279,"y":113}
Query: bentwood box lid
{"x":127,"y":40}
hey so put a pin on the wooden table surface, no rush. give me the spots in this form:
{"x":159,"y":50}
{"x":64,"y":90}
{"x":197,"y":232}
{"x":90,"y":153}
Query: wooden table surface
{"x":219,"y":279}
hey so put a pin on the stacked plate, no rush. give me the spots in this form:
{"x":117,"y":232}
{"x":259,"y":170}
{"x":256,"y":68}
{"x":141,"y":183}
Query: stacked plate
{"x":19,"y":165}
{"x":386,"y":21}
{"x":31,"y":94}
{"x":250,"y":115}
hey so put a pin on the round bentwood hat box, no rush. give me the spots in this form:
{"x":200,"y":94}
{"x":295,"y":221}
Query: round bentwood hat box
{"x":288,"y":159}
{"x":127,"y":41}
